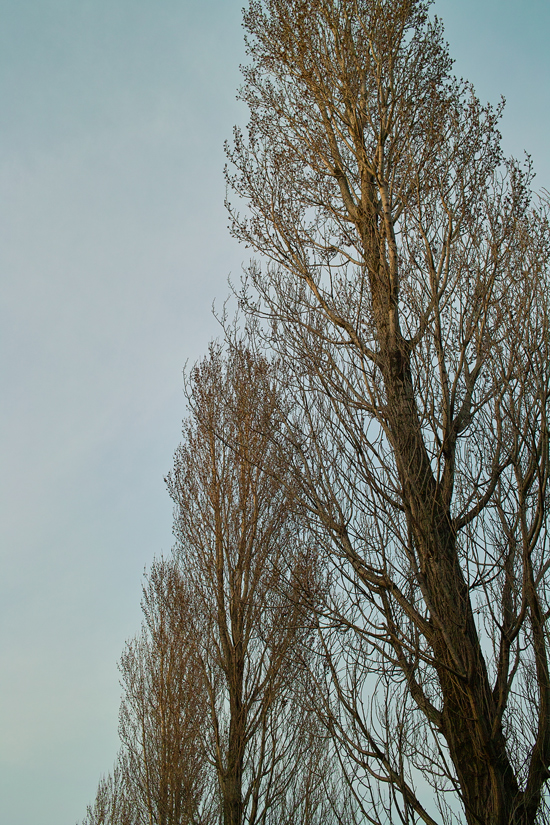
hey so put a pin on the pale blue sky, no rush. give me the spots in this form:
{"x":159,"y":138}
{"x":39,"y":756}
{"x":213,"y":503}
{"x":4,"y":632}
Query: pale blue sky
{"x":113,"y":245}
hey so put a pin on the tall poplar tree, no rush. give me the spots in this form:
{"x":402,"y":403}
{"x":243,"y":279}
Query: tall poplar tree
{"x":403,"y":269}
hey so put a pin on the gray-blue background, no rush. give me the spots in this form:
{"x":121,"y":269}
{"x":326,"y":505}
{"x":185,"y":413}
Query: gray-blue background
{"x":113,"y":245}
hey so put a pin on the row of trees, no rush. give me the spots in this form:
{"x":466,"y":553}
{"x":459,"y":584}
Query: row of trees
{"x":217,"y":720}
{"x":391,"y":482}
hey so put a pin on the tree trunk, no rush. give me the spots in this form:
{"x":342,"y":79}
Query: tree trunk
{"x":476,"y":742}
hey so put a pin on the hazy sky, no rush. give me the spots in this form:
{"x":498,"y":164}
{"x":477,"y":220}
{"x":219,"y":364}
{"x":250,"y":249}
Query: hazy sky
{"x":113,"y":246}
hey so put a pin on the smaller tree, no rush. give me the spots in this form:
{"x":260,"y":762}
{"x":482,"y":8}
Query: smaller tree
{"x":161,"y":775}
{"x":163,"y":710}
{"x":111,"y":805}
{"x":242,"y":549}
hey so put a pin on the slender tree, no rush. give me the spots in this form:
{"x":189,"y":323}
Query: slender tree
{"x":162,"y":775}
{"x":112,"y":805}
{"x":163,"y":709}
{"x":407,"y":293}
{"x":242,"y":549}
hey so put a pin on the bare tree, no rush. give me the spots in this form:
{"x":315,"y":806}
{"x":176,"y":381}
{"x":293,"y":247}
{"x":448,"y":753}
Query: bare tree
{"x":163,"y":709}
{"x":112,"y":805}
{"x":217,"y":720}
{"x":407,"y":293}
{"x":162,"y":776}
{"x":242,"y":549}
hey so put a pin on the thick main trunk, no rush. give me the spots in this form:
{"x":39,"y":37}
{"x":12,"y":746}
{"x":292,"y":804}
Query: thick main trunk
{"x":232,"y":780}
{"x":232,"y":803}
{"x":233,"y":808}
{"x":469,"y":716}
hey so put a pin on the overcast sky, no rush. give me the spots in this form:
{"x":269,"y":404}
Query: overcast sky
{"x":113,"y":246}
